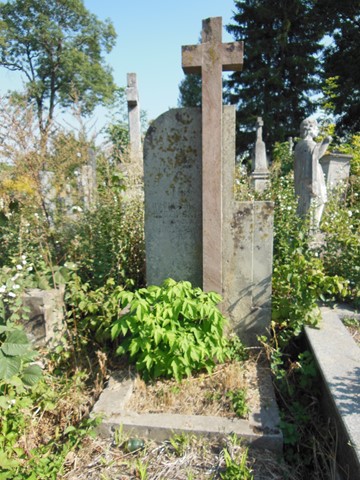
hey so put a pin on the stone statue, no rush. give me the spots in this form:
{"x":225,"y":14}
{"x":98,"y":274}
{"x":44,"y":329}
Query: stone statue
{"x":310,"y":186}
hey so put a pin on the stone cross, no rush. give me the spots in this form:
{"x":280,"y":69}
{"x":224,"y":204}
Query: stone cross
{"x":132,"y":97}
{"x":209,"y":59}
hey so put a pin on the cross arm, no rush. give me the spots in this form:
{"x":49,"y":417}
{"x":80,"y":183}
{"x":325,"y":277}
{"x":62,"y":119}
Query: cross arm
{"x":192,"y":58}
{"x":232,"y":56}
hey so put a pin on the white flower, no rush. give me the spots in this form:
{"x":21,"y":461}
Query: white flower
{"x":349,"y":213}
{"x":19,"y":267}
{"x":29,"y":269}
{"x":16,"y":286}
{"x":14,"y":277}
{"x":3,"y":288}
{"x":75,"y":208}
{"x":23,"y":257}
{"x":12,"y":294}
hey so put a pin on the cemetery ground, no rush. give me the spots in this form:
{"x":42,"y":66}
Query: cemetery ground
{"x":46,"y":395}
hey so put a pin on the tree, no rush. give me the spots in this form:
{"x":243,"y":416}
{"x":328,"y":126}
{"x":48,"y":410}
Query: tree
{"x":190,"y":91}
{"x":281,"y":67}
{"x":342,"y":66}
{"x":58,"y":48}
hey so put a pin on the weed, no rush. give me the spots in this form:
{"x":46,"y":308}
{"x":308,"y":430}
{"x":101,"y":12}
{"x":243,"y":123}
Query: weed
{"x":236,"y":469}
{"x":238,"y":402}
{"x":180,"y":443}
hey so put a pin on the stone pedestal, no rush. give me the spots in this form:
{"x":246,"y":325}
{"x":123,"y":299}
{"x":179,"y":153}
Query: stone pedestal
{"x":46,"y":314}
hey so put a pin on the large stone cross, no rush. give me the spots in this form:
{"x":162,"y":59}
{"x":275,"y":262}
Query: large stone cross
{"x":209,"y":59}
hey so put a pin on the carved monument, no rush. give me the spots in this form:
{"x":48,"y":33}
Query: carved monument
{"x":194,"y":228}
{"x":310,"y":185}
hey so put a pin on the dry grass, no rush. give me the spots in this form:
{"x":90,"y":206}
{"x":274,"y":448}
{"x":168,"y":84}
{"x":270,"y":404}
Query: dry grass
{"x":184,"y":456}
{"x":204,"y":393}
{"x":181,"y":458}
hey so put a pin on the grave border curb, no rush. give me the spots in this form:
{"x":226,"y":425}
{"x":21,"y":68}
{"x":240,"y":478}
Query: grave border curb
{"x":261,"y":431}
{"x":338,"y":359}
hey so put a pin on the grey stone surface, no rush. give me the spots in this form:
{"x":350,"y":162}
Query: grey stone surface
{"x":336,"y":167}
{"x":132,"y":97}
{"x":172,"y":184}
{"x":46,"y":314}
{"x":338,"y":358}
{"x":260,"y":172}
{"x":261,"y":430}
{"x":210,"y":58}
{"x":247,"y":250}
{"x":173,"y":213}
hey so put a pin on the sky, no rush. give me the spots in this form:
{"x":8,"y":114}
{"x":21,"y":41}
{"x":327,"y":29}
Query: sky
{"x":150,"y":34}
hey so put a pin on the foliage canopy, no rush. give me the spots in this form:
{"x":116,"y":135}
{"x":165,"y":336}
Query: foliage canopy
{"x":58,"y":47}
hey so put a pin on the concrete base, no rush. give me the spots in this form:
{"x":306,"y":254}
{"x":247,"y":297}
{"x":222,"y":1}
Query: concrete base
{"x":46,"y":315}
{"x":261,"y":430}
{"x":338,"y":359}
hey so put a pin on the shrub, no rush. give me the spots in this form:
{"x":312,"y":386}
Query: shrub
{"x":171,"y":330}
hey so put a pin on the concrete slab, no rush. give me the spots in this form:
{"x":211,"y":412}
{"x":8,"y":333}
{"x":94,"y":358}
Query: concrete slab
{"x":261,"y":430}
{"x":338,"y":359}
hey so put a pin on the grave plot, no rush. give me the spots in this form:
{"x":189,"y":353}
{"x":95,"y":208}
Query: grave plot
{"x":195,"y":231}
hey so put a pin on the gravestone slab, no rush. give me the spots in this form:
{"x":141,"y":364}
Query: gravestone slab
{"x":173,"y":230}
{"x":173,"y":207}
{"x":336,"y":167}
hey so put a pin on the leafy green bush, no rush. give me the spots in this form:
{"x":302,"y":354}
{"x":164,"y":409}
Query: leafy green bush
{"x":300,"y":279}
{"x":171,"y":330}
{"x":16,"y":357}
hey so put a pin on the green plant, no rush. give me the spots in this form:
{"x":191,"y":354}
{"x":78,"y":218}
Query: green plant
{"x":236,"y":469}
{"x":300,"y":279}
{"x":171,"y":330}
{"x":351,"y":322}
{"x":181,"y":443}
{"x":141,"y":469}
{"x":16,"y":355}
{"x":238,"y":402}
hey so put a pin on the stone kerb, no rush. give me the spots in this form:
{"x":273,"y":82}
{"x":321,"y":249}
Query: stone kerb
{"x":338,"y":359}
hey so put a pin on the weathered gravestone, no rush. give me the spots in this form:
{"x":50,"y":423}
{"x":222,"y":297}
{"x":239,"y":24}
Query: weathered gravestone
{"x":194,"y":229}
{"x":260,"y":174}
{"x":132,"y":97}
{"x":87,"y":183}
{"x":336,"y":167}
{"x":46,"y":314}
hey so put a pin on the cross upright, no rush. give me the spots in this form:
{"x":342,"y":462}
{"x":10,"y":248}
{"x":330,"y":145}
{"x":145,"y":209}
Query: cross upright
{"x":209,"y":59}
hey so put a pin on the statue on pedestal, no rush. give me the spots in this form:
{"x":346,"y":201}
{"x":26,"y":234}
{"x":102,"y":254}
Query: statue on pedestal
{"x":310,"y":185}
